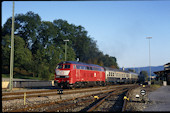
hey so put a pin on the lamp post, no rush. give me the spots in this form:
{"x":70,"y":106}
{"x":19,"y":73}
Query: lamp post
{"x":12,"y":52}
{"x":149,"y":59}
{"x":65,"y":49}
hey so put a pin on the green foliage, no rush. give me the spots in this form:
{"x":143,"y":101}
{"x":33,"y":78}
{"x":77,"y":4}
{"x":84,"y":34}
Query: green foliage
{"x":44,"y":72}
{"x":22,"y":55}
{"x":5,"y":45}
{"x":39,"y":45}
{"x":131,"y":70}
{"x":143,"y":76}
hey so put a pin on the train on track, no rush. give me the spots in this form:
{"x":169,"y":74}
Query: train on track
{"x":77,"y":74}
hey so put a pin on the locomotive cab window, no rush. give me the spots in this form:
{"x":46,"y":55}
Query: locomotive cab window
{"x":66,"y":66}
{"x":59,"y":66}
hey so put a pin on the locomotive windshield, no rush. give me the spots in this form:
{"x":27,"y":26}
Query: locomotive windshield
{"x":59,"y":66}
{"x":66,"y":66}
{"x":63,"y":66}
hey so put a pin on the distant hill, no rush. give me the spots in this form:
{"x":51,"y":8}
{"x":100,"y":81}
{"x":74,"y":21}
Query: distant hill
{"x":153,"y":69}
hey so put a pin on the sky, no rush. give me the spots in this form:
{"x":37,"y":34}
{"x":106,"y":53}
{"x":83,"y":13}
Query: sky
{"x":119,"y":27}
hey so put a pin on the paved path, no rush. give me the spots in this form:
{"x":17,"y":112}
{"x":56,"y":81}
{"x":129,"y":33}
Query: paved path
{"x":160,"y":99}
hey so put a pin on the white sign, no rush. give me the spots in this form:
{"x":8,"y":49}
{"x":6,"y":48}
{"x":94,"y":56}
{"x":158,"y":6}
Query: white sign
{"x":142,"y":92}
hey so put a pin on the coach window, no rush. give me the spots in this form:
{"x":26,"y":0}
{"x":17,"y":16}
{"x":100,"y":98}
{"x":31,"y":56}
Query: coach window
{"x":74,"y":66}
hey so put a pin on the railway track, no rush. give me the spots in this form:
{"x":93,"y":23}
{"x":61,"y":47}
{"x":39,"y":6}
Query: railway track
{"x":81,"y":103}
{"x":43,"y":93}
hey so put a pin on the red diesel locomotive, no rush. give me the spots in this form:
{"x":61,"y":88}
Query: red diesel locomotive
{"x":77,"y":74}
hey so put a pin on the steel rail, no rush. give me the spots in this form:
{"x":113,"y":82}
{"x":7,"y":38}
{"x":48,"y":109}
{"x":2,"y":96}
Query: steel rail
{"x":62,"y":101}
{"x":53,"y":90}
{"x":125,"y":100}
{"x":21,"y":96}
{"x":58,"y":102}
{"x":89,"y":100}
{"x":101,"y":101}
{"x":42,"y":91}
{"x":41,"y":95}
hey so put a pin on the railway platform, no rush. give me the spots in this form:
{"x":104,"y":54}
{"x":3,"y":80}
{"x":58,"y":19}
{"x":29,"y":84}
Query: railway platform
{"x":160,"y":99}
{"x":27,"y":83}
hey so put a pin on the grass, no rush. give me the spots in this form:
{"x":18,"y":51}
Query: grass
{"x":155,"y":86}
{"x":5,"y":75}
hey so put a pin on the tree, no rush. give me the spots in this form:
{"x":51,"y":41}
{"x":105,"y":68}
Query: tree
{"x":5,"y":50}
{"x":26,"y":26}
{"x":143,"y":76}
{"x":45,"y":40}
{"x":47,"y":32}
{"x":22,"y":55}
{"x":131,"y":70}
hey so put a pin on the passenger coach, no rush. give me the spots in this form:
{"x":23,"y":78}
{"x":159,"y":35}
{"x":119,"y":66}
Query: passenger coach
{"x":116,"y":76}
{"x":78,"y":74}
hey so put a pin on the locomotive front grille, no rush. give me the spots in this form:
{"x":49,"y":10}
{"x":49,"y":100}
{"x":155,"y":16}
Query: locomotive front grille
{"x":58,"y":76}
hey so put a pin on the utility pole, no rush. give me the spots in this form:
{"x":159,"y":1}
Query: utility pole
{"x":149,"y":59}
{"x":12,"y":52}
{"x":65,"y":49}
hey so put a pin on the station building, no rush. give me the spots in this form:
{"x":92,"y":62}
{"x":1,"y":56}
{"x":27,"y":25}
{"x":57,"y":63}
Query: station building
{"x":164,"y":75}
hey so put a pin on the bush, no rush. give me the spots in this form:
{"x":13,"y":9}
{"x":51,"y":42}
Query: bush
{"x":5,"y":70}
{"x":51,"y":76}
{"x":43,"y":72}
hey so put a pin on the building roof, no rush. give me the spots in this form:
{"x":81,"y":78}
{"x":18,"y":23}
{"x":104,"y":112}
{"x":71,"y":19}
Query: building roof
{"x":163,"y":72}
{"x":167,"y":64}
